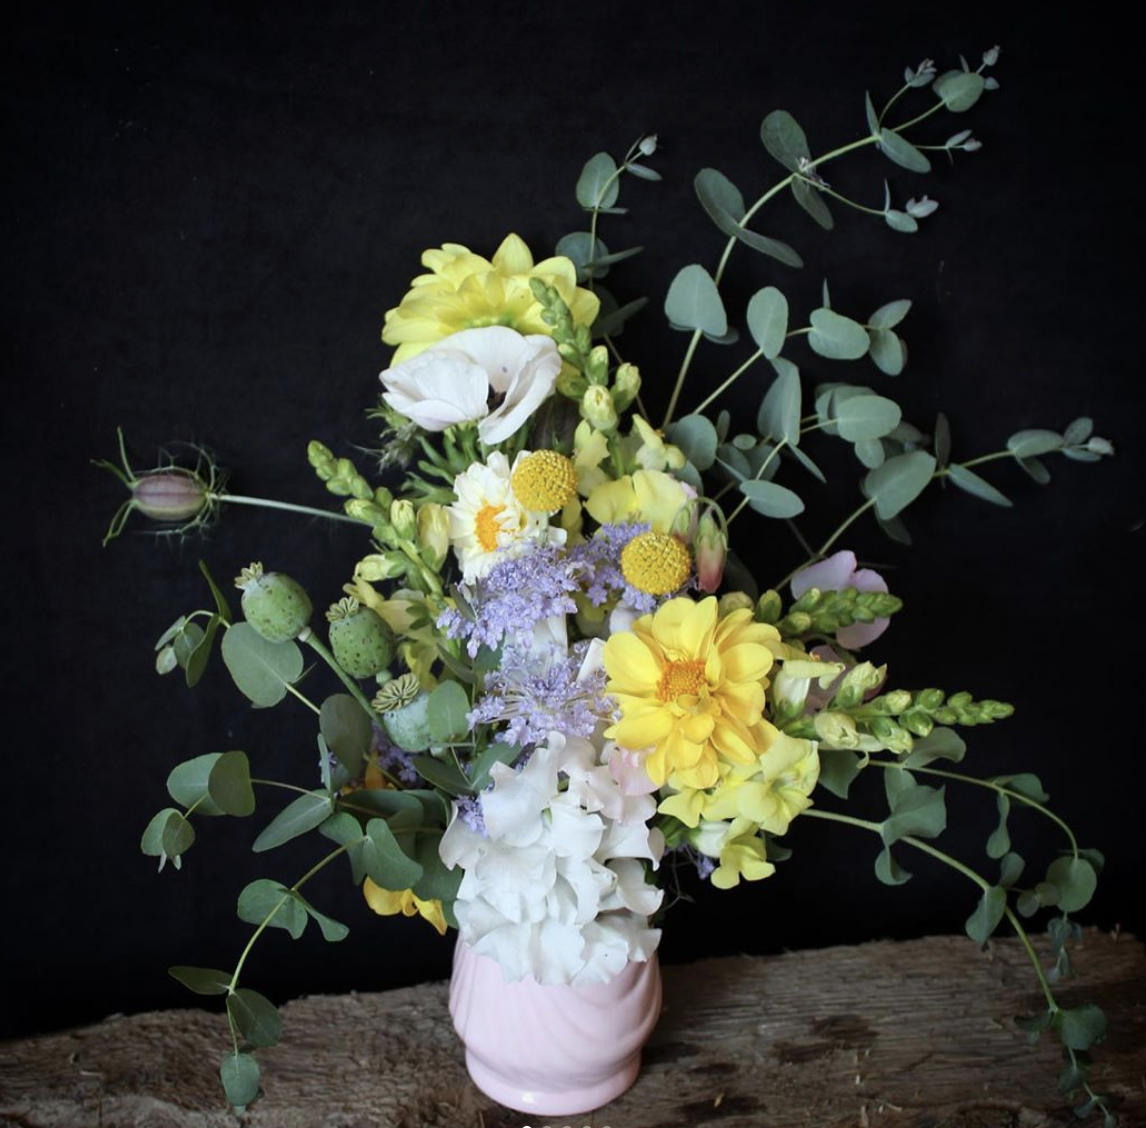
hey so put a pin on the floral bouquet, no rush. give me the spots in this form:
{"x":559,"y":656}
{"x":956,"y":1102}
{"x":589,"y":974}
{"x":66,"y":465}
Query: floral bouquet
{"x":550,"y":669}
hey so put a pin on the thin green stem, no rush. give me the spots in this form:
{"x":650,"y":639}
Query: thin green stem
{"x":729,"y":382}
{"x":311,"y":639}
{"x":302,"y":697}
{"x":279,"y":783}
{"x":843,"y":528}
{"x":990,"y":785}
{"x":892,"y":100}
{"x":922,"y":117}
{"x":842,"y":198}
{"x":290,"y":507}
{"x":732,"y":241}
{"x":282,"y":901}
{"x":1033,"y":956}
{"x":773,"y":453}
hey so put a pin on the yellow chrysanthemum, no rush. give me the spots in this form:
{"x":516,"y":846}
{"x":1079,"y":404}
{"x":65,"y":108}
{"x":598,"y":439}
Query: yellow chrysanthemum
{"x":690,"y":687}
{"x":385,"y":902}
{"x":466,"y":291}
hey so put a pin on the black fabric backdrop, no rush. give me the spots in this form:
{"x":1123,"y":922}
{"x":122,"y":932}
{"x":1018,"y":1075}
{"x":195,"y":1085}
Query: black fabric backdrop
{"x":210,"y":208}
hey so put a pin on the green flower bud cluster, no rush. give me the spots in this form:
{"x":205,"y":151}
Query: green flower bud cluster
{"x":958,"y":709}
{"x":574,"y":343}
{"x":825,"y":612}
{"x":361,"y":640}
{"x":275,"y":605}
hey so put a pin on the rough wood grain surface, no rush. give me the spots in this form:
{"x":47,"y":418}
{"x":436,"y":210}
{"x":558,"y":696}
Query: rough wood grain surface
{"x":886,"y":1035}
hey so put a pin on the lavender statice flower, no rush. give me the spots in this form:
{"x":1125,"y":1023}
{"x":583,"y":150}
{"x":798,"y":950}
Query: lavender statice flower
{"x":536,"y":695}
{"x":598,"y":561}
{"x":516,"y":596}
{"x":396,"y":761}
{"x":469,"y":811}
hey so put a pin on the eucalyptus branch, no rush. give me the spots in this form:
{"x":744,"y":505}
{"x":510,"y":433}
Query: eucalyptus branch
{"x":311,"y":639}
{"x":729,"y":382}
{"x":757,"y":476}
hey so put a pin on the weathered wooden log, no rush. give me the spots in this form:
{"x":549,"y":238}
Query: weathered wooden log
{"x":884,"y":1035}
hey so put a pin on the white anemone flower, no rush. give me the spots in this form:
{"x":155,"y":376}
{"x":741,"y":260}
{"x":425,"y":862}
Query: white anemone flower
{"x":453,"y":381}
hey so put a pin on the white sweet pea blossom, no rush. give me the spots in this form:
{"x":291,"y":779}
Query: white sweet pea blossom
{"x":453,"y":381}
{"x":555,"y":889}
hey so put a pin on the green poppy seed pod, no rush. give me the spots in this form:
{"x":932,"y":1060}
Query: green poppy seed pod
{"x":170,"y":495}
{"x":409,"y":727}
{"x":275,"y":605}
{"x":362,"y":641}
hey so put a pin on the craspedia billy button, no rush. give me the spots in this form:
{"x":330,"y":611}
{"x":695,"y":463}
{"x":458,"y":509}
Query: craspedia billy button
{"x":657,"y":563}
{"x":362,"y":641}
{"x":544,"y":481}
{"x":275,"y":605}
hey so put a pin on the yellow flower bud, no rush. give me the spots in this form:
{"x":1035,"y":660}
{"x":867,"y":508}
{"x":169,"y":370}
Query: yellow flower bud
{"x":598,"y":409}
{"x":433,"y":534}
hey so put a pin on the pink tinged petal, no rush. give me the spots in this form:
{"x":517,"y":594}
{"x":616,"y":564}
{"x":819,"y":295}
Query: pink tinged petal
{"x":833,"y":574}
{"x":867,"y":580}
{"x":628,"y":769}
{"x":861,"y":634}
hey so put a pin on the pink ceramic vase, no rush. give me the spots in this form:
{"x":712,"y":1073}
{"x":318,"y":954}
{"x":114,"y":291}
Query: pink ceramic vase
{"x":552,"y":1050}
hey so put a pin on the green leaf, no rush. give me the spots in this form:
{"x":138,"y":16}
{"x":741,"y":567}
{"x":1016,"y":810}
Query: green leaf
{"x":597,"y":186}
{"x":696,"y":437}
{"x":264,"y":898}
{"x":185,"y":643}
{"x":296,"y":818}
{"x":779,"y":414}
{"x":611,"y":320}
{"x":870,"y":452}
{"x":1036,"y":470}
{"x":999,"y":842}
{"x":1078,"y":431}
{"x":579,"y":248}
{"x":152,"y":841}
{"x":837,"y":337}
{"x":918,"y":811}
{"x":447,"y":712}
{"x":900,"y":221}
{"x":442,"y":773}
{"x":1071,"y":1077}
{"x":262,"y":670}
{"x":808,"y":196}
{"x":1025,"y":783}
{"x":971,"y":482}
{"x":346,"y":729}
{"x":767,"y":318}
{"x":785,"y":140}
{"x":982,"y":923}
{"x":229,"y":785}
{"x":332,"y":930}
{"x":436,"y":883}
{"x":771,"y":499}
{"x":173,"y":630}
{"x":899,"y":481}
{"x":202,"y":980}
{"x":939,"y":744}
{"x":867,"y":417}
{"x":1076,"y":881}
{"x":221,"y":604}
{"x":240,"y":1076}
{"x":693,"y":302}
{"x":1034,"y":1025}
{"x":386,"y":864}
{"x":888,"y":870}
{"x":1095,"y":858}
{"x":959,"y":90}
{"x":1028,"y":444}
{"x":1080,"y":1027}
{"x":255,"y":1017}
{"x":870,"y":114}
{"x":177,"y":836}
{"x":495,"y":752}
{"x":1010,"y":869}
{"x":343,"y":828}
{"x":803,"y":459}
{"x":199,"y":657}
{"x":720,"y":198}
{"x":890,"y":315}
{"x":781,"y":252}
{"x":888,"y":352}
{"x":902,"y":152}
{"x":387,"y":802}
{"x":642,"y":172}
{"x":838,"y":768}
{"x":188,"y":783}
{"x":895,"y":782}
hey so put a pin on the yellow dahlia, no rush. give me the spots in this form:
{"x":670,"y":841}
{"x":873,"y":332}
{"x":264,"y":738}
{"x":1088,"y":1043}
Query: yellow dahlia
{"x":466,"y":291}
{"x":690,"y":688}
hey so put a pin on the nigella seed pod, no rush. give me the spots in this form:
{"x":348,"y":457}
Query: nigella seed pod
{"x":275,"y":605}
{"x":361,"y":640}
{"x":170,"y":495}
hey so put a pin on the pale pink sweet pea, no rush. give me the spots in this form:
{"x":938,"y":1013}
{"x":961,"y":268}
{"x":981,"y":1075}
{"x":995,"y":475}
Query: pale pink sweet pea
{"x":628,"y":769}
{"x":452,"y":382}
{"x":838,"y":573}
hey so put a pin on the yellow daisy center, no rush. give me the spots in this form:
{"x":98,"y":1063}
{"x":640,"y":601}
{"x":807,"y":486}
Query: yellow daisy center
{"x":544,"y":481}
{"x":486,"y":526}
{"x":657,"y":563}
{"x":681,"y":678}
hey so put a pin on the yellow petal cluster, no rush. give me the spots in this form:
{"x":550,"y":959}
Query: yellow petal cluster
{"x":648,"y":495}
{"x":385,"y":902}
{"x":690,"y":687}
{"x":465,"y":291}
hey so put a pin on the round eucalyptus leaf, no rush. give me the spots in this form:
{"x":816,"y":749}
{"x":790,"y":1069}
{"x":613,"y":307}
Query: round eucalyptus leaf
{"x":178,"y":835}
{"x":597,"y":185}
{"x":901,"y":221}
{"x":1076,"y":881}
{"x":809,"y":197}
{"x":867,"y":417}
{"x":447,"y":711}
{"x":1028,"y":444}
{"x":297,"y":817}
{"x":959,"y":90}
{"x":720,"y":198}
{"x":188,"y":783}
{"x":346,"y":728}
{"x":982,"y":923}
{"x":888,"y":352}
{"x":871,"y":453}
{"x":837,"y":337}
{"x":767,"y":319}
{"x":693,"y":302}
{"x":696,"y":436}
{"x":870,"y":114}
{"x":229,"y":785}
{"x":779,"y":414}
{"x":386,"y":863}
{"x":1078,"y":431}
{"x":581,"y":250}
{"x":888,"y":870}
{"x":255,"y":1017}
{"x":902,"y":152}
{"x":240,"y":1076}
{"x":784,"y":139}
{"x":202,"y":980}
{"x":271,"y":901}
{"x":899,"y":481}
{"x":262,"y":670}
{"x":890,"y":315}
{"x":772,"y":500}
{"x":1080,"y":1027}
